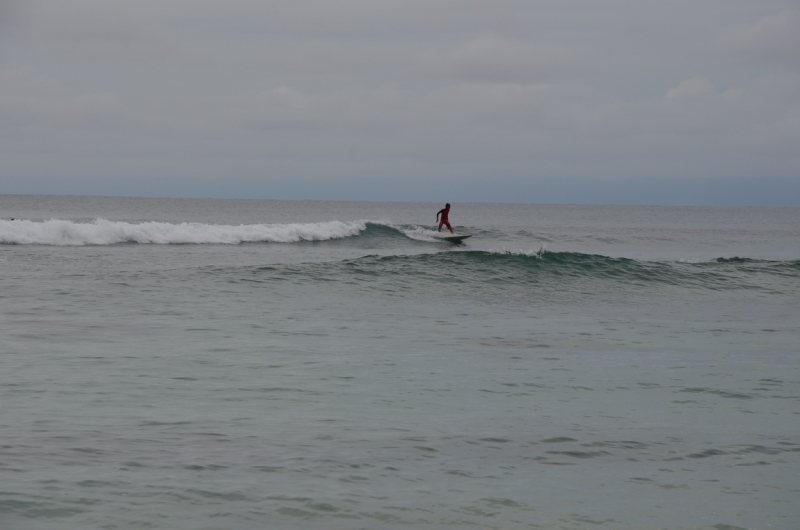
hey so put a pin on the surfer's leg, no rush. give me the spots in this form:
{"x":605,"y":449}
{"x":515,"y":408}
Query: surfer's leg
{"x":440,"y":225}
{"x":448,"y":227}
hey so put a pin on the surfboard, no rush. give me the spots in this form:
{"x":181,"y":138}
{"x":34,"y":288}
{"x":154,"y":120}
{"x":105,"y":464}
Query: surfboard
{"x":455,"y":238}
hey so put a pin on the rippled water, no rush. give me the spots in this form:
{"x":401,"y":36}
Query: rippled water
{"x":210,"y":364}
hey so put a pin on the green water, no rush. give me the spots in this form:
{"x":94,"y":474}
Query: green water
{"x":567,"y":368}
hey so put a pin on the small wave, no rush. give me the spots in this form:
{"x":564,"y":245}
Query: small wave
{"x":583,"y":271}
{"x":103,"y":232}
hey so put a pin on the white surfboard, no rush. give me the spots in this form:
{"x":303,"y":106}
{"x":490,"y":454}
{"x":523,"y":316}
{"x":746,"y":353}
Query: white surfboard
{"x":455,"y":238}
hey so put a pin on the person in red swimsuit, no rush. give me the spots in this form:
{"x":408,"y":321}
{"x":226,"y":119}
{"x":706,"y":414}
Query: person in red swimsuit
{"x":444,"y":212}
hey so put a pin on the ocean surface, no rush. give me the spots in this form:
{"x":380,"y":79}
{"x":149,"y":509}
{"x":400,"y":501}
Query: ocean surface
{"x":246,"y":364}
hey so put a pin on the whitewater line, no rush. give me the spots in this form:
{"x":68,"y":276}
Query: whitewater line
{"x":61,"y":232}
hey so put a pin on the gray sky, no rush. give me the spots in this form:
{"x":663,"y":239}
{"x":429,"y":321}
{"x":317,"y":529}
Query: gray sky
{"x":620,"y":101}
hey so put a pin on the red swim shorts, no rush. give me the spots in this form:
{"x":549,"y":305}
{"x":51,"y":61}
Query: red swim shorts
{"x":443,"y":222}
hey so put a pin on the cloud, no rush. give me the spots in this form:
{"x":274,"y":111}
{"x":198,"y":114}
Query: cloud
{"x":694,"y":87}
{"x":101,"y":31}
{"x":460,"y":129}
{"x":9,"y":14}
{"x":774,"y":38}
{"x":491,"y":57}
{"x":468,"y":89}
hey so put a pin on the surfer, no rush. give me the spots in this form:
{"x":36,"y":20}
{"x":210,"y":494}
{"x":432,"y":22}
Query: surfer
{"x":444,"y":213}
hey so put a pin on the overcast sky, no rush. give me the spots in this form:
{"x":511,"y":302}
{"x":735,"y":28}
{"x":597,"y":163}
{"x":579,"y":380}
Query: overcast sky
{"x":607,"y":101}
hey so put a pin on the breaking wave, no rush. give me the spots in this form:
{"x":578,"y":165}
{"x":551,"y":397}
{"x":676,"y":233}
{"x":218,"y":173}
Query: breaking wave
{"x":103,"y":232}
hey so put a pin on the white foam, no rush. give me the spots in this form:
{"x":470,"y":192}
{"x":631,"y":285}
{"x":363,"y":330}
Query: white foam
{"x":696,"y":260}
{"x":527,"y":253}
{"x":421,"y":234}
{"x":103,"y":232}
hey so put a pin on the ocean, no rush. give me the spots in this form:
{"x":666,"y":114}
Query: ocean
{"x":248,"y":364}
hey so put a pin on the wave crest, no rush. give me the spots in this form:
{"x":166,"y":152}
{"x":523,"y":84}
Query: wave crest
{"x":103,"y":232}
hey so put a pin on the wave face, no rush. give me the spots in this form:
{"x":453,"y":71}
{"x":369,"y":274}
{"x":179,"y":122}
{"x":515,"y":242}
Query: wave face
{"x":104,"y":232}
{"x":478,"y":270}
{"x":525,"y":274}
